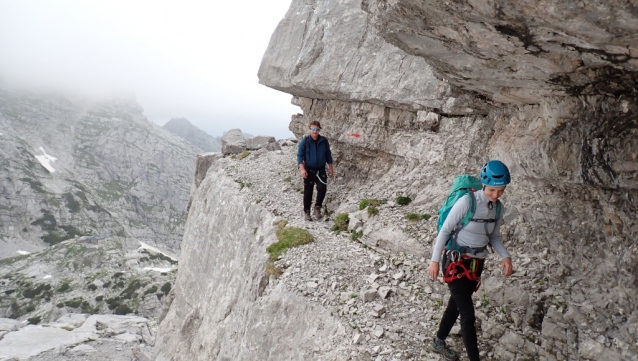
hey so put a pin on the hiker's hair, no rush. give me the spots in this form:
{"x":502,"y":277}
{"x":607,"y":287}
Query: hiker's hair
{"x":316,"y":123}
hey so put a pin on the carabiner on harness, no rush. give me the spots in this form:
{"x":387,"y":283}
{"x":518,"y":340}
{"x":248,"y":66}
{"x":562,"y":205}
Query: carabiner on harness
{"x":316,"y":173}
{"x":456,"y":269}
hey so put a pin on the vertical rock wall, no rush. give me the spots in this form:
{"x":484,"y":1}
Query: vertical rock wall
{"x":552,"y":90}
{"x":411,"y":93}
{"x":217,"y":310}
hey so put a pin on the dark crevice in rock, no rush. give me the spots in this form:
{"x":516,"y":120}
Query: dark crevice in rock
{"x":523,"y":34}
{"x":605,"y":80}
{"x":600,"y":146}
{"x":603,"y":129}
{"x":536,"y":318}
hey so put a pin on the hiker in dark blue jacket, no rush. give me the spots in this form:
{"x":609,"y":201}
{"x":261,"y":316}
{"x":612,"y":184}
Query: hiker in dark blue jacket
{"x":312,"y":155}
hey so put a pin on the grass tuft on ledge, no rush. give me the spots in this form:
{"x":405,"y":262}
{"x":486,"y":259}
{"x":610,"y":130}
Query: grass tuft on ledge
{"x":403,"y":201}
{"x":341,"y":223}
{"x":288,"y":237}
{"x":243,"y":155}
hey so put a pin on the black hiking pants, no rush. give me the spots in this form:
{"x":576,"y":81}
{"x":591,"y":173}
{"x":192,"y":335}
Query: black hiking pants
{"x":308,"y":187}
{"x":461,"y":304}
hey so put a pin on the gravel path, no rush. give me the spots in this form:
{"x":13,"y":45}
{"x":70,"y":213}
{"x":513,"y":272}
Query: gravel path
{"x":349,"y":277}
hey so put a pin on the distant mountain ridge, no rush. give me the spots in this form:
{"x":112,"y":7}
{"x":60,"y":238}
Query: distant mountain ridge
{"x":182,"y":127}
{"x":73,"y":168}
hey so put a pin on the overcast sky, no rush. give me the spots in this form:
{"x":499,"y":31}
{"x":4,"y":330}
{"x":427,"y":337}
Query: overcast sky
{"x":191,"y":59}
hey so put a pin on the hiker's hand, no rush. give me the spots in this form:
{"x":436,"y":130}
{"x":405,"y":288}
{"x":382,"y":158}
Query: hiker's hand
{"x":331,"y":173}
{"x":506,"y":267}
{"x":303,"y":172}
{"x":433,"y":270}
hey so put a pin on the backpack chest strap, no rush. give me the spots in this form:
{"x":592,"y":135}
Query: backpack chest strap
{"x":491,"y":220}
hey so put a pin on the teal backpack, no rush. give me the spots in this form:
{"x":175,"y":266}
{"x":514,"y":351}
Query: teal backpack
{"x":462,"y":185}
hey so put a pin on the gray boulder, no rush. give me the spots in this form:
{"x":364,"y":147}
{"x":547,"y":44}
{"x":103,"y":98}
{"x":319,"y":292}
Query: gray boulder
{"x":233,"y":142}
{"x":259,"y":142}
{"x":273,"y":146}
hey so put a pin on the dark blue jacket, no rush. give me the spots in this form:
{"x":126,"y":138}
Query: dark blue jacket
{"x":316,"y":154}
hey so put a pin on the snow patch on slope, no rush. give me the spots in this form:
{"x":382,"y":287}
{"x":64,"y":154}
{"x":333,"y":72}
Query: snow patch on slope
{"x":46,"y":160}
{"x":151,"y":248}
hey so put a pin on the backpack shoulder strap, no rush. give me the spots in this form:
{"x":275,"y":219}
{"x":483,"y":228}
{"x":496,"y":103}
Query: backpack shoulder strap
{"x":464,"y":222}
{"x":470,"y":212}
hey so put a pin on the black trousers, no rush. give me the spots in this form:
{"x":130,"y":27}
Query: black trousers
{"x":308,"y":187}
{"x":461,"y":304}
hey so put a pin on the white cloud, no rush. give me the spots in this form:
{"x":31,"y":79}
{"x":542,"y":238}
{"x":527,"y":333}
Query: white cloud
{"x":193,"y":59}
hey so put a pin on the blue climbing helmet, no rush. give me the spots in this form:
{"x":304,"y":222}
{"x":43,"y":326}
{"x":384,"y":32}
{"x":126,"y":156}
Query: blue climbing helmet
{"x":495,"y":174}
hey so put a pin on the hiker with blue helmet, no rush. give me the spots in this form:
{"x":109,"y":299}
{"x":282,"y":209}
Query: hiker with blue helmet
{"x":461,"y":248}
{"x":312,"y":155}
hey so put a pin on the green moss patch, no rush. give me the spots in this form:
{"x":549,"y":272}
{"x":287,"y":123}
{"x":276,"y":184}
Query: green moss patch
{"x":288,"y":237}
{"x":54,"y":233}
{"x":122,"y":309}
{"x":71,"y":203}
{"x":412,"y":217}
{"x":341,"y":223}
{"x":373,"y":211}
{"x":166,"y":288}
{"x":113,"y":302}
{"x":74,"y":303}
{"x":151,"y":289}
{"x":34,"y":184}
{"x":243,"y":155}
{"x":403,"y":201}
{"x":64,"y":287}
{"x":36,"y":291}
{"x":130,"y":291}
{"x":12,"y":260}
{"x":47,"y":222}
{"x":160,"y":257}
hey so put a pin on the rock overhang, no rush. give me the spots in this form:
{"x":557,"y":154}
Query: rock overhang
{"x":518,"y":52}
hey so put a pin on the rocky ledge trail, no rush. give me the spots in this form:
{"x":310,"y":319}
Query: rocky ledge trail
{"x":373,"y":276}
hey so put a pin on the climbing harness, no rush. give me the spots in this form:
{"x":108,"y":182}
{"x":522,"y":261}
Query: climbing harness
{"x":458,"y":262}
{"x":460,"y":265}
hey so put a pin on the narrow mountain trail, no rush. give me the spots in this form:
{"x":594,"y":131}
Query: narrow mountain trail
{"x":388,"y":306}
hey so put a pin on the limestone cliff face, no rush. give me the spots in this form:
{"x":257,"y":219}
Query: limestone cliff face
{"x":552,"y":90}
{"x":217,"y":309}
{"x":412,"y":93}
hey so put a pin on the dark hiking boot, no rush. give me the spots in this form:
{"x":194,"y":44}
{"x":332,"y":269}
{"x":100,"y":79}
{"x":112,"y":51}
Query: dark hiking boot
{"x":307,"y":216}
{"x":317,"y":212}
{"x":441,"y":348}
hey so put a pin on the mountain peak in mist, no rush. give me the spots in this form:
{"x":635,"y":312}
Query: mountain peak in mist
{"x":183,"y":128}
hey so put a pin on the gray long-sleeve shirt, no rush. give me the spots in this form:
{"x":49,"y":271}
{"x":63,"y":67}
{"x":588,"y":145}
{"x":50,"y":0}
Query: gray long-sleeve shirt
{"x":473,"y":235}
